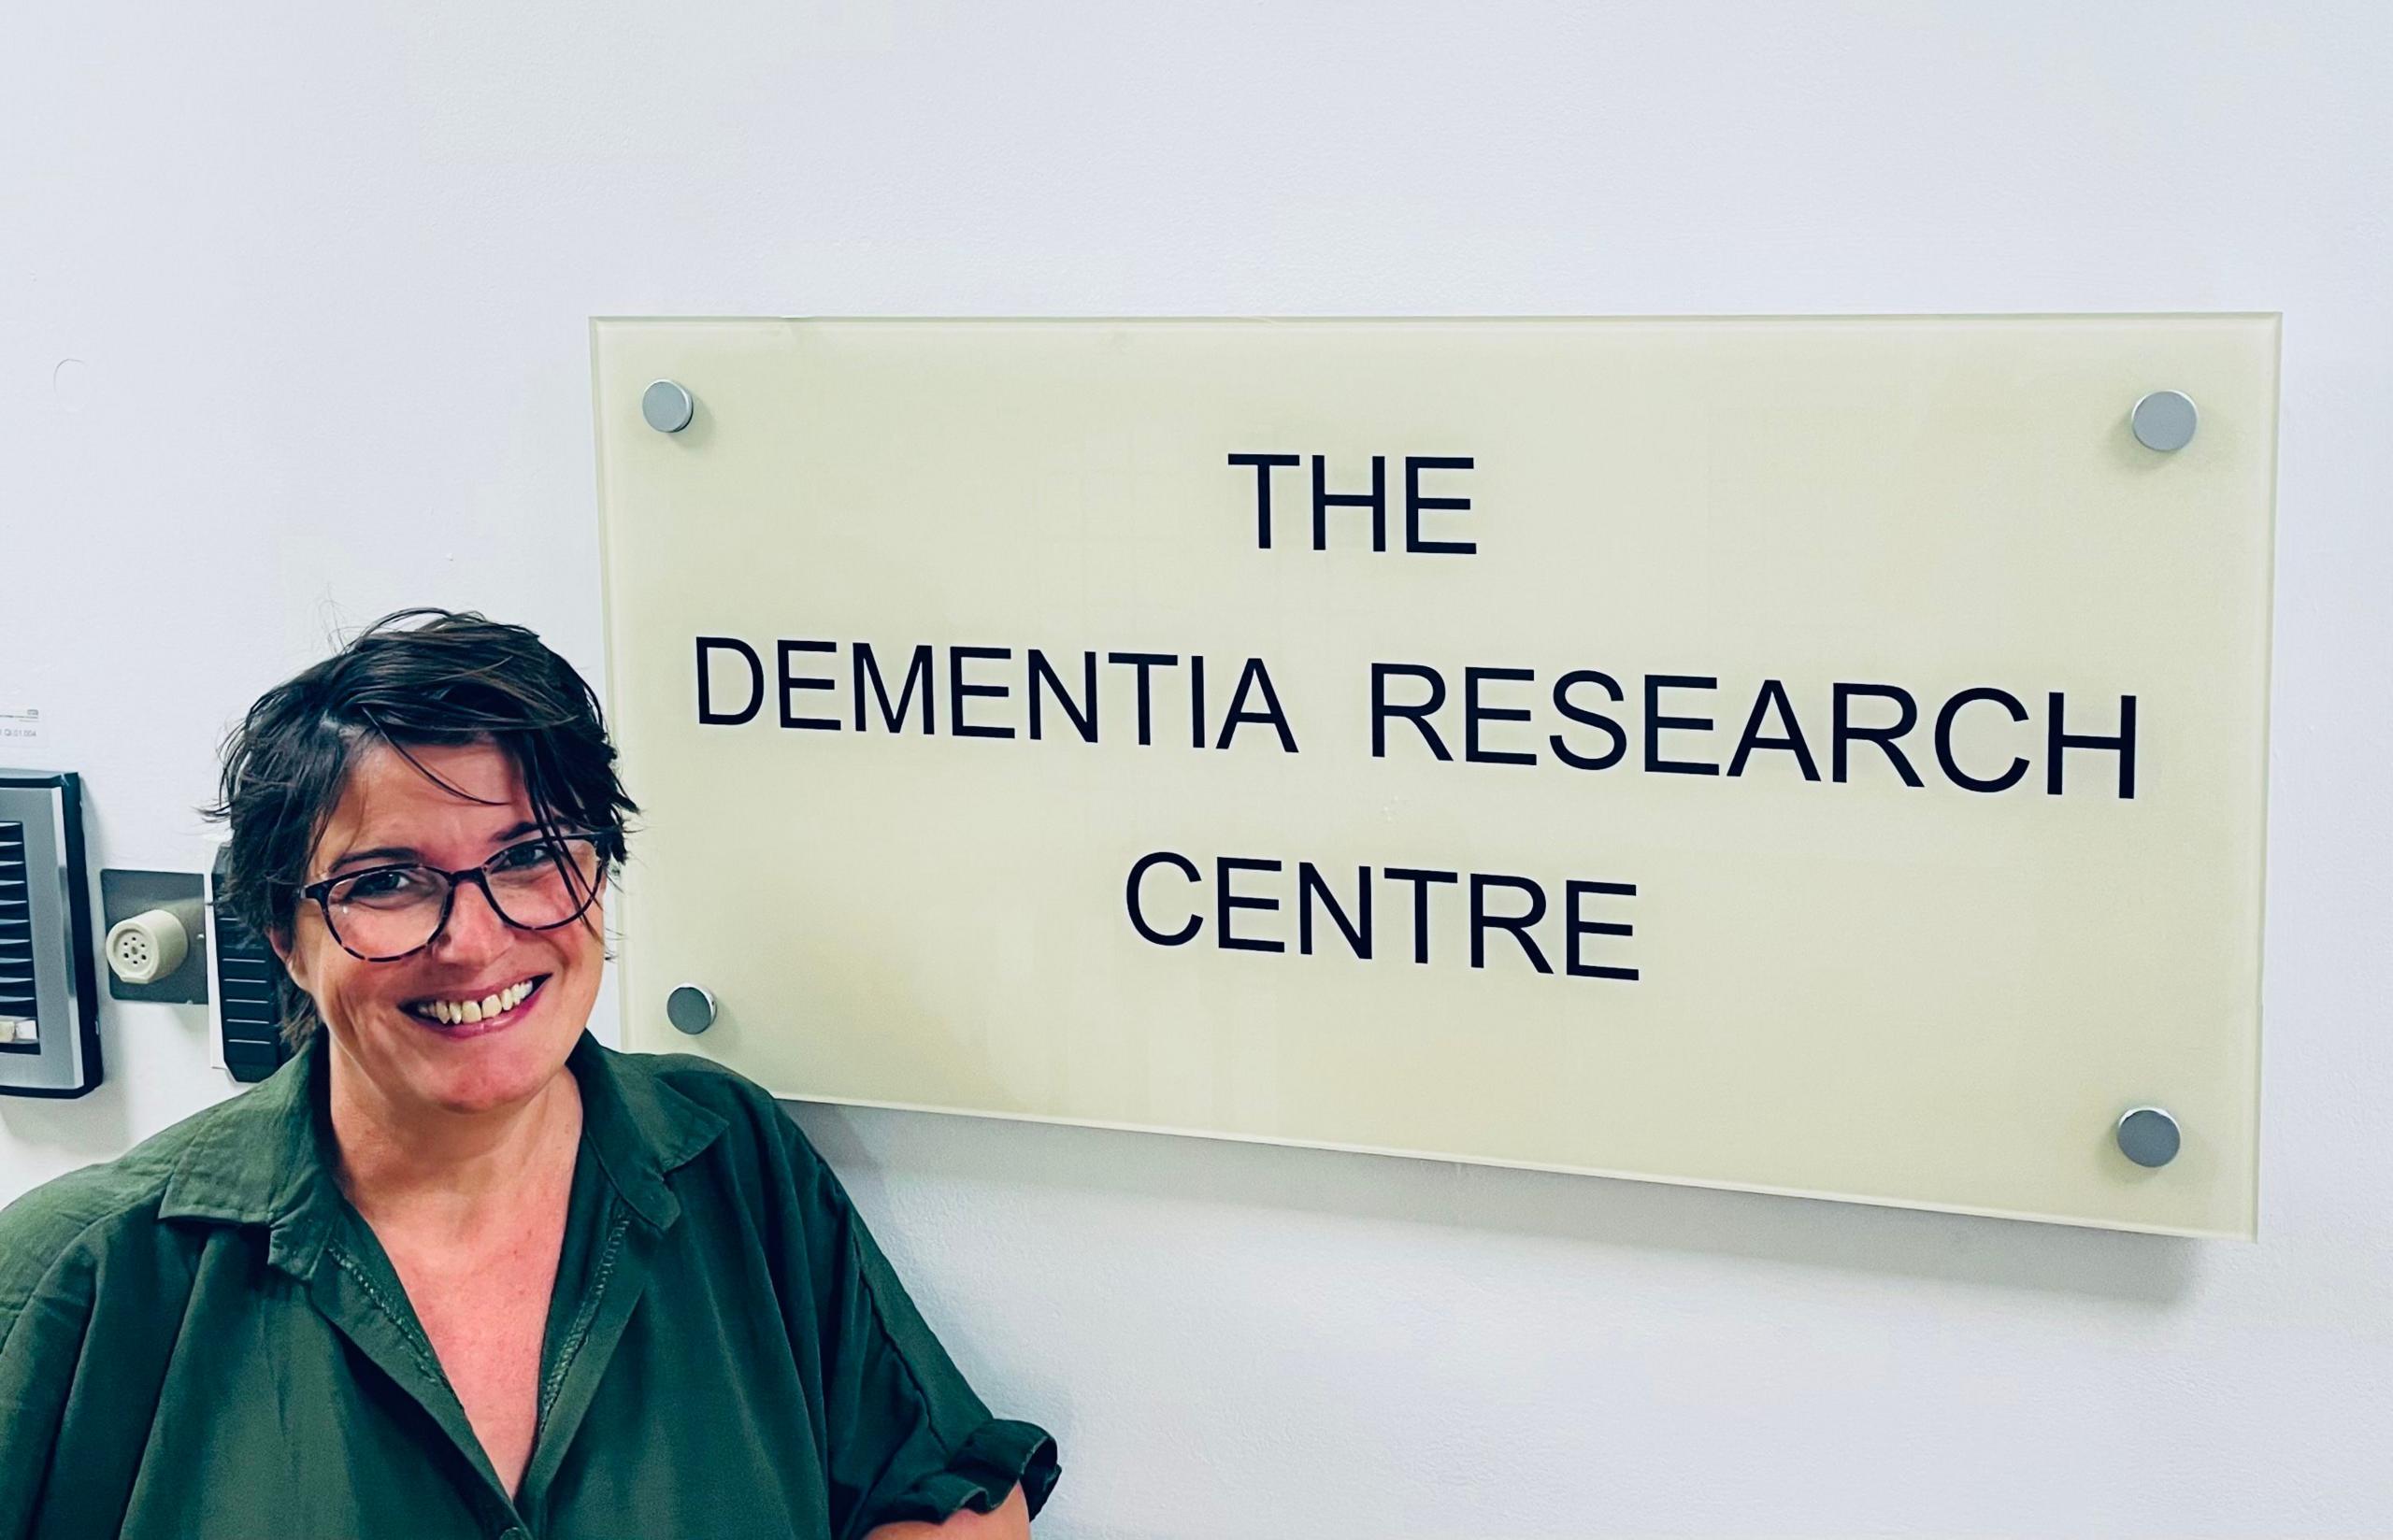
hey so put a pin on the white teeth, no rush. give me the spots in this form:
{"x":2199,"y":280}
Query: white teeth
{"x":457,"y":1012}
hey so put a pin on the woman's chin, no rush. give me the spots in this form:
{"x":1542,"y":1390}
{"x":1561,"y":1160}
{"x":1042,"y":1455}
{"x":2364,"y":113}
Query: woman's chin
{"x":478,"y":1072}
{"x":472,"y":1096}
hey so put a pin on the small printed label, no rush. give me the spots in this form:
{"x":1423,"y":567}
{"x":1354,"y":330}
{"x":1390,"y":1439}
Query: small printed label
{"x":21,"y":727}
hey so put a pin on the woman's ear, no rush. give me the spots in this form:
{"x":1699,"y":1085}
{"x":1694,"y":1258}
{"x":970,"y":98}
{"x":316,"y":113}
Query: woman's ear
{"x":281,"y":939}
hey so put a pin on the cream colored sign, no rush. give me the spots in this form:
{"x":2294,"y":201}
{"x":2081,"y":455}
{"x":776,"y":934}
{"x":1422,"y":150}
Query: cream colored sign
{"x":1814,"y":756}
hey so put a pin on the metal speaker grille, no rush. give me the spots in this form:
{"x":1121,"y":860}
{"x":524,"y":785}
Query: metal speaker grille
{"x":16,"y":936}
{"x":247,"y":976}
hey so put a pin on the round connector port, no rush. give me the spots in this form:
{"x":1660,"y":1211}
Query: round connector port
{"x":148,"y":947}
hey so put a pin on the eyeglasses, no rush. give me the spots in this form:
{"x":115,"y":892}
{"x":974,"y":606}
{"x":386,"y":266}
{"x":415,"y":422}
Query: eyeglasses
{"x":385,"y":913}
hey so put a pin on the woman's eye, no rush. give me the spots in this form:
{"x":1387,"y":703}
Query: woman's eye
{"x":394,"y":883}
{"x":518,"y":858}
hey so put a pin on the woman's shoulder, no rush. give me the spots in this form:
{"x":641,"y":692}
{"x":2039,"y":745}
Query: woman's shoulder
{"x":738,"y":1118}
{"x":707,"y":1129}
{"x":717,"y":1087}
{"x":86,"y":1215}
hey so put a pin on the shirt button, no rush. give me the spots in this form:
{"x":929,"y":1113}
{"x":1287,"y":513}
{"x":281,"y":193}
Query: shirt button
{"x":516,"y":1535}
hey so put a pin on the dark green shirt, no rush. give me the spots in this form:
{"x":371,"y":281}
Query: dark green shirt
{"x":203,"y":1340}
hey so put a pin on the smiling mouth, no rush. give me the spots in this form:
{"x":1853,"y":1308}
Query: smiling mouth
{"x":496,"y":1008}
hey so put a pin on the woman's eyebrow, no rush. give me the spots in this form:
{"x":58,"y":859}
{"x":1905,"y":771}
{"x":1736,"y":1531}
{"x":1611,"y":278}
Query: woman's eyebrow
{"x":409,"y":853}
{"x":380,"y":852}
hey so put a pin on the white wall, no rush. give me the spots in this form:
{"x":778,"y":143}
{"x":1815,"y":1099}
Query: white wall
{"x":327,"y":270}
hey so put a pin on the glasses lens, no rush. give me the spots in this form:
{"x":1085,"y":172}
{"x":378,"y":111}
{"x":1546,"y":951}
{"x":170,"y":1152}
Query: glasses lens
{"x":543,"y":883}
{"x":386,"y":912}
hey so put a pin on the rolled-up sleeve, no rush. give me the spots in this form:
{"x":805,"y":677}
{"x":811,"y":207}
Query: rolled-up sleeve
{"x":909,"y":1438}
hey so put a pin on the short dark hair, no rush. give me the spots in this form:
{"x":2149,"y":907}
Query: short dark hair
{"x":456,"y":677}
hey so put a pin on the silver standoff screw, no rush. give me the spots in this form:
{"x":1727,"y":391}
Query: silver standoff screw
{"x":690,"y":1008}
{"x":2148,"y":1136}
{"x":2164,"y":421}
{"x":668,"y":407}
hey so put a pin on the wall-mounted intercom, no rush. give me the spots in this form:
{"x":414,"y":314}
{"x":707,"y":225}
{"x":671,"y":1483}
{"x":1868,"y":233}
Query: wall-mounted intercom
{"x":248,"y":997}
{"x":50,"y":996}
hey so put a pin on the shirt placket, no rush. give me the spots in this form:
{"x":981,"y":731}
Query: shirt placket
{"x":359,"y":1296}
{"x":570,"y":1382}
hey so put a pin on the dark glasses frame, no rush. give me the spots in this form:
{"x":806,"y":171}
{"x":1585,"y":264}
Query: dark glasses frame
{"x":478,"y":876}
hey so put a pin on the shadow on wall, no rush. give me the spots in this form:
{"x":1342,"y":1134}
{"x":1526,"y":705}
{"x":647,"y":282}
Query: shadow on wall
{"x":1592,"y":1211}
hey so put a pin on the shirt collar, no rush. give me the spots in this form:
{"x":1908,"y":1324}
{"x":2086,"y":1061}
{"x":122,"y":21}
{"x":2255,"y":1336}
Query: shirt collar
{"x":264,"y":1158}
{"x":267,"y":1156}
{"x":642,"y":1128}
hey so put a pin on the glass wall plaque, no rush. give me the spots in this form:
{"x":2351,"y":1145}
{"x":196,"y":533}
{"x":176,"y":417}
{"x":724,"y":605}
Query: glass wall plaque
{"x":1817,"y":756}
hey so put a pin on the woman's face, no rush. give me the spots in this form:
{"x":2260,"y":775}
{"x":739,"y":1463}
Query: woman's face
{"x":382,"y":1015}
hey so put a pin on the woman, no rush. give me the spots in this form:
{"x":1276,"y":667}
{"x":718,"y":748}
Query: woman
{"x":456,"y":1269}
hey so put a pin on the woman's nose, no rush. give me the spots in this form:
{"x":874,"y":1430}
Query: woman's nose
{"x":474,"y":928}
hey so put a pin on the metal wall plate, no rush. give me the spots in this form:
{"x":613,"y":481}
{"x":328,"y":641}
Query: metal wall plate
{"x":184,"y":894}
